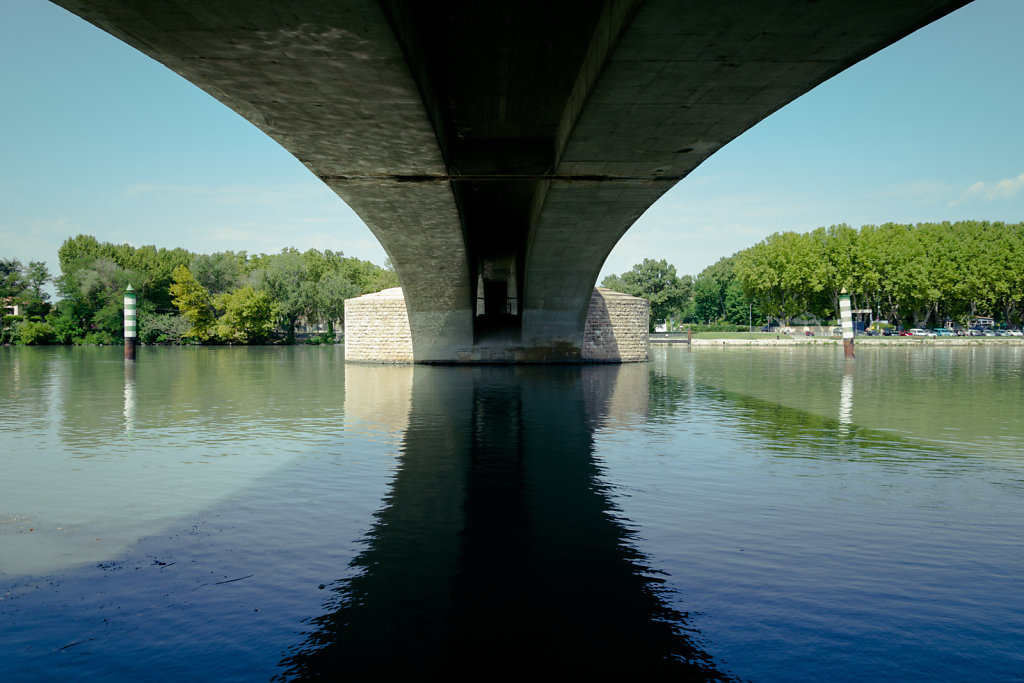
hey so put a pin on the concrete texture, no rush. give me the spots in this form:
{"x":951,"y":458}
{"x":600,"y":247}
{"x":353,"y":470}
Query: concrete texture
{"x":498,"y":150}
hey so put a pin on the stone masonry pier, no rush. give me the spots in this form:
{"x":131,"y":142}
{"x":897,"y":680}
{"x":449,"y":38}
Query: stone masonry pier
{"x":498,"y":150}
{"x":377,"y":331}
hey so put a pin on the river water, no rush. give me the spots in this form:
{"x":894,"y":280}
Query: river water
{"x":766,"y":514}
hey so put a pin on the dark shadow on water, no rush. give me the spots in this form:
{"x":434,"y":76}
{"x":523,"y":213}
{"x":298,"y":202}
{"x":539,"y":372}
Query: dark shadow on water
{"x":498,"y":550}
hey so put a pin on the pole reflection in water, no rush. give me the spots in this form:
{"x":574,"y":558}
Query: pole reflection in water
{"x":129,"y":398}
{"x":498,"y":547}
{"x":846,"y":397}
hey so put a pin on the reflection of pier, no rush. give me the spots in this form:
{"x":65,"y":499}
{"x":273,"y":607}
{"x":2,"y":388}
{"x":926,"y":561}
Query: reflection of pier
{"x":498,"y":549}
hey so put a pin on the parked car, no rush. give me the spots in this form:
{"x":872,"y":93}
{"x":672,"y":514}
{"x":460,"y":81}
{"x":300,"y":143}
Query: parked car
{"x":906,"y":333}
{"x":918,"y":332}
{"x":942,"y":332}
{"x":976,"y":332}
{"x":1014,"y":333}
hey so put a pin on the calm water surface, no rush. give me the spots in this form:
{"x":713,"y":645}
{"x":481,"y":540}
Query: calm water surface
{"x":726,"y":514}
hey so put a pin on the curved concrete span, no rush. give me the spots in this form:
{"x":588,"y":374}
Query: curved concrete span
{"x":499,"y":150}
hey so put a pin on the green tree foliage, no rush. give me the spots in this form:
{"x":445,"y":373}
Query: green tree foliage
{"x":657,"y":282}
{"x":333,"y":290}
{"x":162,"y":328}
{"x":286,"y":277}
{"x":706,"y":305}
{"x":152,"y":268}
{"x":914,"y":275}
{"x":313,"y":285}
{"x":11,"y":278}
{"x":195,"y":304}
{"x":181,"y":295}
{"x":917,"y":275}
{"x":218,"y":273}
{"x":91,"y":309}
{"x":23,"y":286}
{"x":32,"y":332}
{"x":248,"y":316}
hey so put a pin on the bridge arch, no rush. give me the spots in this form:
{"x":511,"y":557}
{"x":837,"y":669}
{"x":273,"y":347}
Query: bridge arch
{"x":499,"y":150}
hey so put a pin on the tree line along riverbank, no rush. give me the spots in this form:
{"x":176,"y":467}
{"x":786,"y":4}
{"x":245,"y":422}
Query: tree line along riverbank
{"x":910,"y":275}
{"x":183,"y":296}
{"x":919,"y":275}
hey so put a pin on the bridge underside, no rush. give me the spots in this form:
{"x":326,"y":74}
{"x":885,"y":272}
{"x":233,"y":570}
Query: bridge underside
{"x":498,"y":150}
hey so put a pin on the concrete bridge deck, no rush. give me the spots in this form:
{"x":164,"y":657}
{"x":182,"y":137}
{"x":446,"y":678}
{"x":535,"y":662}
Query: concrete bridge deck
{"x":499,"y":150}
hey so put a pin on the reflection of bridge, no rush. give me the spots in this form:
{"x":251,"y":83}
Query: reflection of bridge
{"x":499,"y":150}
{"x":498,"y":548}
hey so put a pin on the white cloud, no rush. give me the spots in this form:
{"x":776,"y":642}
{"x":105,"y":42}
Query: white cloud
{"x":1006,"y":187}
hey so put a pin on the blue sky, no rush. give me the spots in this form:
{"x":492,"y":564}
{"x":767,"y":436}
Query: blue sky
{"x":95,"y":138}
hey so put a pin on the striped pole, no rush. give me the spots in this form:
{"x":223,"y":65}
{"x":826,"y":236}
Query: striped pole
{"x":846,"y":318}
{"x":129,"y":324}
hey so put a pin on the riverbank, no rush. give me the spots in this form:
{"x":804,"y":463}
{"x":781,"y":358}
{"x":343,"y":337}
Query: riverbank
{"x":786,"y":340}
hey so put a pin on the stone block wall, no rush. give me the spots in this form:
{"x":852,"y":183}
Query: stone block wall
{"x":616,"y":330}
{"x":377,"y":328}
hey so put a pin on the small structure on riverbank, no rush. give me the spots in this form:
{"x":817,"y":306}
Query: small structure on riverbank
{"x":377,"y":330}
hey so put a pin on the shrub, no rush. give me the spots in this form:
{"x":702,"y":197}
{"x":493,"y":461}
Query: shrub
{"x":33,"y":333}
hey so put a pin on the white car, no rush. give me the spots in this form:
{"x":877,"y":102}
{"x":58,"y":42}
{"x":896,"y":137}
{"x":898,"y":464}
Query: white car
{"x":918,"y":332}
{"x":1014,"y":333}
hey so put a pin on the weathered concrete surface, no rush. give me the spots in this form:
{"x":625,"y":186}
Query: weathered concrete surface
{"x":498,"y":150}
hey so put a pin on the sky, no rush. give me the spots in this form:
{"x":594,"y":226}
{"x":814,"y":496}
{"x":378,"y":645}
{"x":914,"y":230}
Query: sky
{"x":98,"y":139}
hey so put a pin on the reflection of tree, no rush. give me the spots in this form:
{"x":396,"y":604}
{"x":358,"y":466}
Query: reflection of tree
{"x":788,"y":430}
{"x":667,"y":397}
{"x":498,"y":549}
{"x":227,"y":386}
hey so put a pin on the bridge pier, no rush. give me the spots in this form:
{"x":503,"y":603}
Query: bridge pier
{"x":378,"y":329}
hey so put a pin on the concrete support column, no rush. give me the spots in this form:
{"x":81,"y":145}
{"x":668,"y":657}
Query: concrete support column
{"x":846,"y":319}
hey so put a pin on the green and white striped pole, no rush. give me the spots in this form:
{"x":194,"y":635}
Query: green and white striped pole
{"x":129,"y":324}
{"x":846,"y":319}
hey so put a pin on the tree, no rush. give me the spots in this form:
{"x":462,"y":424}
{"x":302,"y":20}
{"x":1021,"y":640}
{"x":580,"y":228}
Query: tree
{"x":332,"y":291}
{"x":36,"y":276}
{"x":248,"y":315}
{"x":760,"y":270}
{"x":91,"y":309}
{"x":12,"y":278}
{"x":836,"y":248}
{"x":194,"y":302}
{"x":739,"y":308}
{"x":709,"y":291}
{"x":24,"y":286}
{"x":157,"y":328}
{"x":706,"y":305}
{"x":218,"y":273}
{"x":282,"y":278}
{"x":31,"y":332}
{"x":657,"y":282}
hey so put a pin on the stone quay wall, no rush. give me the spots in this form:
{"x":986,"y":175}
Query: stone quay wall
{"x":377,"y":328}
